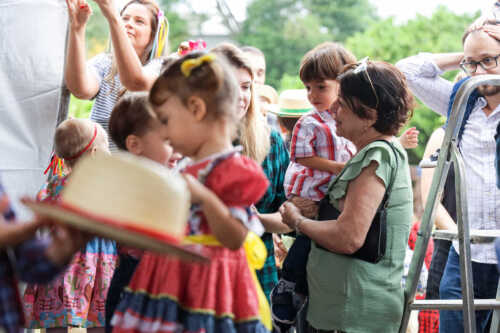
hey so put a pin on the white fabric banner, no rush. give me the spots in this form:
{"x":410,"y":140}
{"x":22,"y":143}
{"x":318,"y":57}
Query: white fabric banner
{"x":32,"y":52}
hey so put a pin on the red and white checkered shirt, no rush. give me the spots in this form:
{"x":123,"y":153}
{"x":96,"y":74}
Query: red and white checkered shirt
{"x":314,"y":135}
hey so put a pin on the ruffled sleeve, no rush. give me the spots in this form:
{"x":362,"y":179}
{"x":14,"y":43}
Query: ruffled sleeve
{"x":379,"y":152}
{"x":239,"y":182}
{"x":303,"y":139}
{"x":100,"y":65}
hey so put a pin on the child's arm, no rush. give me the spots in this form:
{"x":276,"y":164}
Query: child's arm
{"x":409,"y":139}
{"x":227,"y":229}
{"x":322,"y":164}
{"x":12,"y":234}
{"x":273,"y":223}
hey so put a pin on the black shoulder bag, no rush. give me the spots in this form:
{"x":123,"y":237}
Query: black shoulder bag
{"x":373,"y":249}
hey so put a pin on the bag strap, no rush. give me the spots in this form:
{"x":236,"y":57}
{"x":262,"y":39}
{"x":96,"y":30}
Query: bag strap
{"x":385,"y":200}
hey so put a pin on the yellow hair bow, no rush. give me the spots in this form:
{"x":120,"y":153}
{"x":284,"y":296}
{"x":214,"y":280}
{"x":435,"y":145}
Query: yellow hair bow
{"x":188,"y":65}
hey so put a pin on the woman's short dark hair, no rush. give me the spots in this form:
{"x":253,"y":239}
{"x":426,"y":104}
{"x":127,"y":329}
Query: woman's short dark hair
{"x":381,"y":87}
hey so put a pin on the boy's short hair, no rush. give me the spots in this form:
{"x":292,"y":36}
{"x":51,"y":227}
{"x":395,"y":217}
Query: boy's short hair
{"x":132,"y":114}
{"x":324,"y":62}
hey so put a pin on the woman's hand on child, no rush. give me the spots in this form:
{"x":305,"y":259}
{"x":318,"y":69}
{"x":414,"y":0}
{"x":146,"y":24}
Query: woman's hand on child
{"x":198,"y":191}
{"x":290,"y":214}
{"x":79,"y":13}
{"x":409,"y":139}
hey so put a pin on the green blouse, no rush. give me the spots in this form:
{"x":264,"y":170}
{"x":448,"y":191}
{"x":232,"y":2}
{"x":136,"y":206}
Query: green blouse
{"x":352,"y":295}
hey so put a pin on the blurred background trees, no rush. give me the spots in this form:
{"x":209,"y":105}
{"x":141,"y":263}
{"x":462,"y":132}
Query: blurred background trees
{"x":286,"y":29}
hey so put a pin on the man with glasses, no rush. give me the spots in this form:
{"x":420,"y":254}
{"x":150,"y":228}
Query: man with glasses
{"x":481,"y":54}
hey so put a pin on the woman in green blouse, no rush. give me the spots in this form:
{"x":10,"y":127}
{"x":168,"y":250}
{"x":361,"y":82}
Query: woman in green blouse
{"x":349,"y":294}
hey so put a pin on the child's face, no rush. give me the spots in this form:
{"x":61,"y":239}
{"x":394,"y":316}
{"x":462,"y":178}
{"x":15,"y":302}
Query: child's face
{"x":155,"y":145}
{"x":322,"y":94}
{"x":180,"y":126}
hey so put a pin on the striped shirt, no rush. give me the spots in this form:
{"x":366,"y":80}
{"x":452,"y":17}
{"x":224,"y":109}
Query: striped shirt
{"x":314,"y":135}
{"x":109,"y":92}
{"x":477,"y":147}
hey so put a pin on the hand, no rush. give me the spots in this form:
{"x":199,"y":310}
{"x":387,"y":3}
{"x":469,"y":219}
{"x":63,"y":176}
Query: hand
{"x":307,"y":207}
{"x":172,"y":161}
{"x":79,"y":13}
{"x":197,"y":189}
{"x":64,"y":243}
{"x":493,"y":30}
{"x":290,"y":214}
{"x":280,"y":250}
{"x":481,"y":21}
{"x":409,"y":139}
{"x":108,"y":7}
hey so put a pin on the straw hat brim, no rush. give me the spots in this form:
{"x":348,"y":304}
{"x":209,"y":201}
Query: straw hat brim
{"x":287,"y":113}
{"x":105,"y":227}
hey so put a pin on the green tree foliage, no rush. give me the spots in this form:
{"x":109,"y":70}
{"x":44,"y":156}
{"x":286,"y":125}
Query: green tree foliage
{"x":286,"y":29}
{"x":387,"y":41}
{"x":342,"y":18}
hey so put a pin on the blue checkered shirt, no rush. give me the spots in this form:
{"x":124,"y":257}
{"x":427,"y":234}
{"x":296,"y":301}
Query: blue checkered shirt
{"x":26,"y":262}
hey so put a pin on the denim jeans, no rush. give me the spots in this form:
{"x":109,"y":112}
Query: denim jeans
{"x":485,"y":278}
{"x":436,"y":269}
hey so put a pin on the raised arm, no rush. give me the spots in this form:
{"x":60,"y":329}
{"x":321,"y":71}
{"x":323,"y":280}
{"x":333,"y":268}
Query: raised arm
{"x":423,"y":72}
{"x":80,"y":81}
{"x":128,"y":61}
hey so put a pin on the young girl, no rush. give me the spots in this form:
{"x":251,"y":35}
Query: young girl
{"x":77,"y":297}
{"x":139,"y":36}
{"x":134,"y":127}
{"x":196,"y":100}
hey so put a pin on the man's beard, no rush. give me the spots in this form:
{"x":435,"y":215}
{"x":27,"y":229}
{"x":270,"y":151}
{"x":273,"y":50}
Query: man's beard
{"x":488,"y":90}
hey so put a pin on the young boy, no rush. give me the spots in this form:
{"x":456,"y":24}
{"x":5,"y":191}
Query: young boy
{"x":317,"y":154}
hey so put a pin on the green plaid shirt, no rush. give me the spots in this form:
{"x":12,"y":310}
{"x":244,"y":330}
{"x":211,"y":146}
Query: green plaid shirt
{"x":274,"y":166}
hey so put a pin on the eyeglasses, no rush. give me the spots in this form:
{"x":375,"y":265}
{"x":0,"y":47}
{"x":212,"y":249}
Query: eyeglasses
{"x":361,"y":67}
{"x":486,"y":63}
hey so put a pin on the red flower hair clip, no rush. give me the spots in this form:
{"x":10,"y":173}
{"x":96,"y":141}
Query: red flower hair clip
{"x":190,"y":46}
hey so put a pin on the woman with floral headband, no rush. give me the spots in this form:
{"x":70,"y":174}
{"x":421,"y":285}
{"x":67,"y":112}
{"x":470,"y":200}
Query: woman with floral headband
{"x":139,"y":35}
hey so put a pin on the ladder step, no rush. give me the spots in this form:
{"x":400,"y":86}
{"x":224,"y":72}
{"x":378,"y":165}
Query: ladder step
{"x":476,"y":236}
{"x":453,"y":304}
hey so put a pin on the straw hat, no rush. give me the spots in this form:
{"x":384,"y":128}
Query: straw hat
{"x":293,"y":103}
{"x":126,"y":198}
{"x":267,"y":92}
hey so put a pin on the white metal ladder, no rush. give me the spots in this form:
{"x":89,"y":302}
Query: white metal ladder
{"x":450,"y":153}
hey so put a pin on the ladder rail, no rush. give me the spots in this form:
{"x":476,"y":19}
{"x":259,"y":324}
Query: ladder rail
{"x":436,"y":190}
{"x":466,"y":280}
